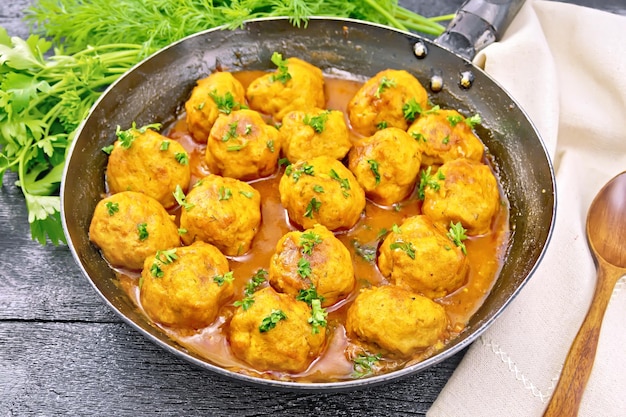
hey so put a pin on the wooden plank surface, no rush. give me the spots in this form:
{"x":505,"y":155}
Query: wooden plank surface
{"x":63,"y":352}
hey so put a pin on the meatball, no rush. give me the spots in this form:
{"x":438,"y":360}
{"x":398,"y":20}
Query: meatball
{"x":321,"y":190}
{"x":274,"y":333}
{"x":444,"y":135}
{"x":392,"y":98}
{"x":143,"y":160}
{"x":130,"y":226}
{"x":386,"y":165}
{"x":219,"y":93}
{"x":305,"y":135}
{"x":468,"y":193}
{"x":185,"y":287}
{"x":420,"y":257}
{"x":313,"y":259}
{"x":396,"y":320}
{"x":222,"y":211}
{"x":241,"y":145}
{"x":295,"y":85}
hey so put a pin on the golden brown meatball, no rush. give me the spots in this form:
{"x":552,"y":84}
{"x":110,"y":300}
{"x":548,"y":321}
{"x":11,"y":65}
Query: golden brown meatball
{"x":396,"y":320}
{"x":219,"y":93}
{"x":222,"y":211}
{"x":418,"y":256}
{"x":392,"y":98}
{"x":241,"y":145}
{"x":444,"y":135}
{"x":321,"y":190}
{"x":185,"y":287}
{"x":386,"y":165}
{"x":314,"y":259}
{"x":274,"y":333}
{"x":307,"y":134}
{"x":130,"y":226}
{"x":468,"y":193}
{"x":295,"y":85}
{"x":143,"y":160}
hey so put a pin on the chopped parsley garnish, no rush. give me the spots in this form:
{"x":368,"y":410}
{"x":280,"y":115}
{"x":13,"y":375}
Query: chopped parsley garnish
{"x":411,"y":109}
{"x":344,"y":182}
{"x":226,"y":103}
{"x":247,"y":194}
{"x":308,"y":295}
{"x":181,"y":199}
{"x":367,"y":252}
{"x":446,"y":140}
{"x":308,"y":240}
{"x":304,"y":268}
{"x":374,"y":167}
{"x":221,"y":279}
{"x":456,"y":233}
{"x":318,"y":316}
{"x":473,"y":121}
{"x":255,"y":282}
{"x":296,"y":173}
{"x":428,"y":180}
{"x":127,"y":137}
{"x":165,"y":145}
{"x":454,"y":119}
{"x":382,"y":125}
{"x":406,"y":247}
{"x":142,"y":231}
{"x":384,"y":84}
{"x":270,"y":146}
{"x":108,"y":149}
{"x":282,"y":72}
{"x":224,"y":193}
{"x":363,"y":364}
{"x":318,"y":188}
{"x":418,"y":137}
{"x":318,"y":123}
{"x":112,"y":207}
{"x":269,"y":322}
{"x":313,"y":206}
{"x":156,"y":270}
{"x":166,"y":256}
{"x":182,"y":158}
{"x":231,"y":133}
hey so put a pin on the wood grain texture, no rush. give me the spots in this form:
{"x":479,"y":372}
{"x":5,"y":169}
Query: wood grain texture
{"x":63,"y":352}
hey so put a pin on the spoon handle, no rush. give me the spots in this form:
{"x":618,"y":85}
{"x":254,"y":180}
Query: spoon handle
{"x":569,"y":390}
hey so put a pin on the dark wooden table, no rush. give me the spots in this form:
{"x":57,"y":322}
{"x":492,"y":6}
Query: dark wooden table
{"x":63,"y":352}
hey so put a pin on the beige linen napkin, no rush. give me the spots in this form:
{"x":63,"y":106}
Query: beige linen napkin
{"x":566,"y":66}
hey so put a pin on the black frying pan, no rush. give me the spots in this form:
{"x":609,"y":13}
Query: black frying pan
{"x":155,"y":88}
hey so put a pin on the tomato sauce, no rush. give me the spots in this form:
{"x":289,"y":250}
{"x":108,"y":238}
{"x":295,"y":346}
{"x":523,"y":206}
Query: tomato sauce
{"x":486,"y":254}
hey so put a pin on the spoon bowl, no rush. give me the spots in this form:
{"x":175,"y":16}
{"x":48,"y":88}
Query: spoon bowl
{"x":606,"y":235}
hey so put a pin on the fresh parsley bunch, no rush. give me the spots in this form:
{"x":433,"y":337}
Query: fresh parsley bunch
{"x":44,"y":96}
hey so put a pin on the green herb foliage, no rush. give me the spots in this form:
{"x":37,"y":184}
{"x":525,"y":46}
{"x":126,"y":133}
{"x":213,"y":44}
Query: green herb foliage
{"x":157,"y":23}
{"x":270,"y":321}
{"x":44,"y":96}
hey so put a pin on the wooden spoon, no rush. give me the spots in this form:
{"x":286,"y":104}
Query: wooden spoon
{"x":606,"y":234}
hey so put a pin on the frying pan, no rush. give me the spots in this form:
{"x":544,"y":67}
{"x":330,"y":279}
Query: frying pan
{"x":155,"y":88}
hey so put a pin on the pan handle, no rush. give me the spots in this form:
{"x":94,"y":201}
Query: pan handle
{"x":477,"y":24}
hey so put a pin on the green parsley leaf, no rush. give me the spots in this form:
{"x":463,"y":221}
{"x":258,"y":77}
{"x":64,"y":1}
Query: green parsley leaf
{"x":142,"y":231}
{"x":406,"y":247}
{"x":228,"y":277}
{"x":308,"y":241}
{"x":313,"y":206}
{"x":383,"y":85}
{"x":181,"y":199}
{"x":112,"y":207}
{"x":226,"y":103}
{"x":363,"y":364}
{"x":318,"y":316}
{"x":428,"y":180}
{"x":454,"y":119}
{"x":182,"y":158}
{"x":231,"y":132}
{"x":411,"y":109}
{"x":282,"y":73}
{"x":224,"y":193}
{"x":108,"y":149}
{"x":269,"y":322}
{"x":318,"y":123}
{"x":457,"y":234}
{"x":374,"y":168}
{"x":304,"y":268}
{"x":473,"y":121}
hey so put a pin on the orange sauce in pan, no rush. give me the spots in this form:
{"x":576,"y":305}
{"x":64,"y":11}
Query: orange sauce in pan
{"x":485,"y":253}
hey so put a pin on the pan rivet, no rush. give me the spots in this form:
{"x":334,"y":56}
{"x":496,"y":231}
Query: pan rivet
{"x":420,"y":50}
{"x":436,"y":83}
{"x":467,"y":78}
